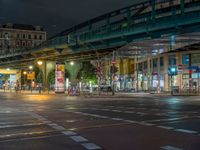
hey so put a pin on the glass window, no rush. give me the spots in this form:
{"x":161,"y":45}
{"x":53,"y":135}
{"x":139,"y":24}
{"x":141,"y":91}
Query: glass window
{"x":145,"y":65}
{"x":150,"y":63}
{"x":195,"y":58}
{"x":140,"y":66}
{"x":161,"y":61}
{"x":185,"y":59}
{"x":23,"y":44}
{"x":185,"y":76}
{"x":172,"y":60}
{"x":155,"y":61}
{"x":29,"y":36}
{"x":40,"y":37}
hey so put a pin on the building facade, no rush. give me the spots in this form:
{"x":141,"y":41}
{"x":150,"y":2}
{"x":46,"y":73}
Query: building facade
{"x":16,"y":37}
{"x":152,"y":73}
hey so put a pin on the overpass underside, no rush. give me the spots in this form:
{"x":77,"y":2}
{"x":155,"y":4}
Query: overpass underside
{"x":149,"y":26}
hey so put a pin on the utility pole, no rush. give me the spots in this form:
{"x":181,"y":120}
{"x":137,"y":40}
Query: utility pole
{"x":113,"y":74}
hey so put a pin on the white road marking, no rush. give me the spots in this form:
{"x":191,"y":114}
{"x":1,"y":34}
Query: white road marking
{"x":146,"y":124}
{"x":69,"y":133}
{"x":141,"y":113}
{"x":90,"y":146}
{"x":57,"y":127}
{"x":23,"y":125}
{"x":168,"y":119}
{"x":86,"y":114}
{"x":30,"y":138}
{"x":170,"y":148}
{"x":105,"y":109}
{"x":94,"y":115}
{"x":173,"y":119}
{"x":78,"y":138}
{"x":186,"y":131}
{"x":24,"y":134}
{"x":116,"y":110}
{"x":104,"y":117}
{"x":130,"y":121}
{"x":117,"y":119}
{"x":52,"y":124}
{"x":129,"y":112}
{"x":165,"y":127}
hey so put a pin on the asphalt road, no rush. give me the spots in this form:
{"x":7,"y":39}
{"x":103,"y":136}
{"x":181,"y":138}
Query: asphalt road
{"x":58,"y":122}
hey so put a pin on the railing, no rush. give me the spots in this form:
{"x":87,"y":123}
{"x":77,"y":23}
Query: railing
{"x":163,"y":9}
{"x":129,"y":20}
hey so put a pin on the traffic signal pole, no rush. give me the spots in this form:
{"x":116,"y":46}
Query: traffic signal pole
{"x":113,"y":65}
{"x":190,"y":74}
{"x":171,"y":86}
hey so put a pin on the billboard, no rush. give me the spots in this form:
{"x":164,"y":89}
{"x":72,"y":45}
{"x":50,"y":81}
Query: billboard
{"x":60,"y":78}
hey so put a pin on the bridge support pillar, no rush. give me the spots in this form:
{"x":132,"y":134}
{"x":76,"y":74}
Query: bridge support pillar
{"x":73,"y":69}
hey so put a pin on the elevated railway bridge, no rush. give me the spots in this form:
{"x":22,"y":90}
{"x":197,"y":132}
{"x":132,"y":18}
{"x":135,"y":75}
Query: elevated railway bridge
{"x":152,"y":23}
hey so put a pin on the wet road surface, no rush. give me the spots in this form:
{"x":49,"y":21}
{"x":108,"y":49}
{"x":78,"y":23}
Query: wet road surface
{"x":58,"y":122}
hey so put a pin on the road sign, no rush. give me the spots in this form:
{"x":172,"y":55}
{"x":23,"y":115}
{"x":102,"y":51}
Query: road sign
{"x":114,"y":61}
{"x":180,"y":67}
{"x":31,"y":75}
{"x":193,"y":67}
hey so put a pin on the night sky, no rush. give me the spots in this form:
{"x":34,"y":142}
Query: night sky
{"x":56,"y":15}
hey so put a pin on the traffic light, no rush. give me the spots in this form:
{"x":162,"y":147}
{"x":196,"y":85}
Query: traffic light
{"x":113,"y":69}
{"x":172,"y":71}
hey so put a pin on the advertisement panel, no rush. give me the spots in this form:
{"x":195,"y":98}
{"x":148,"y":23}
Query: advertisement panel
{"x":60,"y":78}
{"x":31,"y":75}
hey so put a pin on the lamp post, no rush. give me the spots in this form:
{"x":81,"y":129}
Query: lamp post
{"x":30,"y":69}
{"x":40,"y":63}
{"x":24,"y":73}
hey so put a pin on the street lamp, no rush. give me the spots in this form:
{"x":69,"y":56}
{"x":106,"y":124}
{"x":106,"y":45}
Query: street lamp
{"x":30,"y":67}
{"x":71,"y":63}
{"x":24,"y":72}
{"x":39,"y":62}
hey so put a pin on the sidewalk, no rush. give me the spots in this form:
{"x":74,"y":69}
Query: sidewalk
{"x":26,"y":92}
{"x":95,"y":94}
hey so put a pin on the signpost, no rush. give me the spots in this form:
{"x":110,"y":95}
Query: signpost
{"x":31,"y":75}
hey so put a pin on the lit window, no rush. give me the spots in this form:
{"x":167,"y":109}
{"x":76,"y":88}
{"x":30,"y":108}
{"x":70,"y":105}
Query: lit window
{"x":185,"y":59}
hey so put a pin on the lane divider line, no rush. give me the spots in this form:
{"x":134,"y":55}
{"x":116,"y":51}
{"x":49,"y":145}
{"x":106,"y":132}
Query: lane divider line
{"x":69,"y":133}
{"x":186,"y":131}
{"x":170,"y":148}
{"x":165,"y":127}
{"x":147,"y":123}
{"x":73,"y":135}
{"x":91,"y":146}
{"x":78,"y":138}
